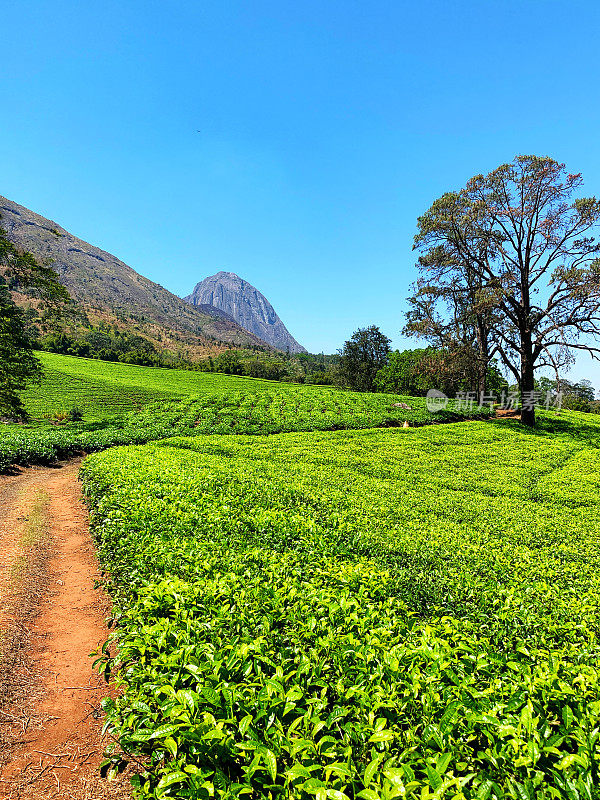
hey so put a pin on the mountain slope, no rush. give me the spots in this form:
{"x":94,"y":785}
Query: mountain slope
{"x":247,"y":306}
{"x":99,"y":281}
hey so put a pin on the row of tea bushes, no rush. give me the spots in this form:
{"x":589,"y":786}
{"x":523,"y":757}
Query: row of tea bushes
{"x":274,"y":409}
{"x":368,"y":614}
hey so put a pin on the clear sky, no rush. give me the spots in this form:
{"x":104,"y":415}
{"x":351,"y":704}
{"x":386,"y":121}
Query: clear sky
{"x":326,"y":128}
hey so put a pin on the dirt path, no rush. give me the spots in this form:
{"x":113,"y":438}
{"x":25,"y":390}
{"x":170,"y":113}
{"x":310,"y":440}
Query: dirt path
{"x":507,"y":413}
{"x":52,"y":619}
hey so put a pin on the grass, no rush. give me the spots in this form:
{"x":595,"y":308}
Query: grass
{"x":357,"y":614}
{"x":34,"y":536}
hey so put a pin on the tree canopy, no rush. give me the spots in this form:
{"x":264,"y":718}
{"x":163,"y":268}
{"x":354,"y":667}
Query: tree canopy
{"x":414,"y":372}
{"x":18,"y":366}
{"x":509,"y":267}
{"x":362,"y":356}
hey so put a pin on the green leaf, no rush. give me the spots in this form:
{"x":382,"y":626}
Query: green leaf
{"x":371,"y":770}
{"x":245,"y":724}
{"x":484,"y":790}
{"x":163,"y":731}
{"x":298,"y":771}
{"x":382,"y":736}
{"x":369,"y":794}
{"x":209,"y":694}
{"x":171,"y":746}
{"x":271,"y":762}
{"x":443,"y":762}
{"x":169,"y":780}
{"x":435,"y":779}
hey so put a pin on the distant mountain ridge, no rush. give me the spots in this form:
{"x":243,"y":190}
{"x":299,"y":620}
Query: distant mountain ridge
{"x":98,"y":280}
{"x":247,"y":306}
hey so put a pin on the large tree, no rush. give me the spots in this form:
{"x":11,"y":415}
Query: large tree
{"x":513,"y":256}
{"x":362,"y":356}
{"x":18,"y":365}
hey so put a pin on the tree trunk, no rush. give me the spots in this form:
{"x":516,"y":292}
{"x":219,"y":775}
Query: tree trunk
{"x":481,"y":382}
{"x":527,"y":381}
{"x":483,"y":357}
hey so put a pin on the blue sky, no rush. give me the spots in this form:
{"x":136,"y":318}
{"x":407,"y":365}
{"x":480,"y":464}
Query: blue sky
{"x":326,"y":128}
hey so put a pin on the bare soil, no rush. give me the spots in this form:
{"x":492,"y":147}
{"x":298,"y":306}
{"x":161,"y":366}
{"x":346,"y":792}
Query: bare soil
{"x":52,"y":618}
{"x":508,"y":413}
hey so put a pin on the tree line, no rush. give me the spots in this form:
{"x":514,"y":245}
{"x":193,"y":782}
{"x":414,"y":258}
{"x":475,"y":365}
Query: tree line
{"x":108,"y":343}
{"x":368,"y":363}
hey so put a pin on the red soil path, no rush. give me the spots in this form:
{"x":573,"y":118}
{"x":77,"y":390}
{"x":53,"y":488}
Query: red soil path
{"x":50,"y":721}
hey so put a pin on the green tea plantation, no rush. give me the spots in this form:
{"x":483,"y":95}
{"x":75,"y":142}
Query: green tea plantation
{"x":374,"y":614}
{"x":183,"y":402}
{"x":103,"y":389}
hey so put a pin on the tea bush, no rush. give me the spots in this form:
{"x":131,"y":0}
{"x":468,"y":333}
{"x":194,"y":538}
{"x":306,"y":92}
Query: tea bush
{"x":272,"y":409}
{"x":356,"y":614}
{"x":104,"y":389}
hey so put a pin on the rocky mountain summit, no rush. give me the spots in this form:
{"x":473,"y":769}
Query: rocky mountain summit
{"x":247,"y":306}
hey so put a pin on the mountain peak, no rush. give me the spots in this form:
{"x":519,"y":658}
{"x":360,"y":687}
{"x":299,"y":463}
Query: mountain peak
{"x":224,"y":274}
{"x":100,"y":282}
{"x":247,"y":306}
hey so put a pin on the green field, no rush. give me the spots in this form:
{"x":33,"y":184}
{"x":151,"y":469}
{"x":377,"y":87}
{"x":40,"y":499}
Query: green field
{"x":314,"y":602}
{"x":103,"y":389}
{"x":125,"y":404}
{"x":357,"y":614}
